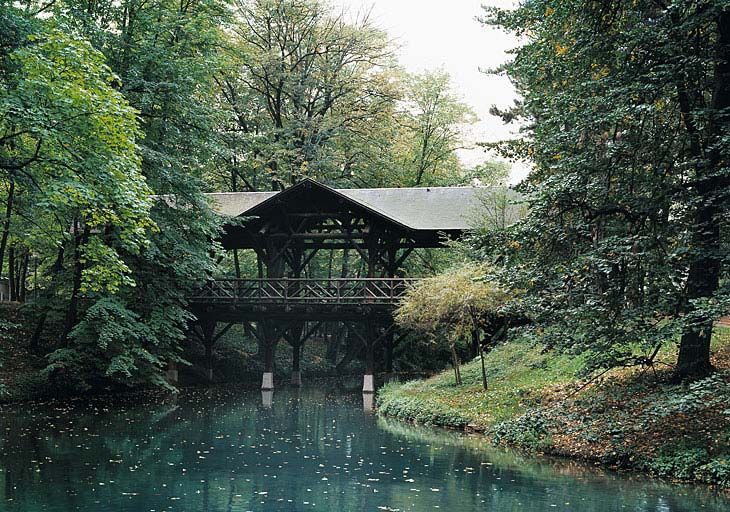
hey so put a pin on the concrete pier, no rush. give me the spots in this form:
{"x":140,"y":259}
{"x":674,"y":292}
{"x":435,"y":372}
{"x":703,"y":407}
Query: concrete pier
{"x":368,"y":384}
{"x":267,"y":382}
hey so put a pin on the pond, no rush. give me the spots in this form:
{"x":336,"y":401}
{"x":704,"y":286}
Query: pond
{"x":229,"y":449}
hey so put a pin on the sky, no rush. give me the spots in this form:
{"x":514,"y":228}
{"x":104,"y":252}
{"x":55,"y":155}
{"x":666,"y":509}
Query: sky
{"x":436,"y":33}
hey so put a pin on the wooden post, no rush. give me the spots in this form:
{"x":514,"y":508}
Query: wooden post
{"x":267,"y":381}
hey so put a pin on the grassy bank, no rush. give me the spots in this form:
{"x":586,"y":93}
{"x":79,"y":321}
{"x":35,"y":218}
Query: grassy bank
{"x":629,"y":418}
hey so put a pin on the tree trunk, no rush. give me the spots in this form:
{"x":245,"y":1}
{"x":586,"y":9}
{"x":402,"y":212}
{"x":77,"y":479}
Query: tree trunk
{"x":296,"y":358}
{"x":702,"y":281}
{"x":55,"y":271}
{"x":6,"y":223}
{"x":455,"y":362}
{"x":704,"y":272}
{"x":478,"y":343}
{"x":475,"y":350}
{"x":11,"y":272}
{"x":73,"y":303}
{"x":23,"y":277}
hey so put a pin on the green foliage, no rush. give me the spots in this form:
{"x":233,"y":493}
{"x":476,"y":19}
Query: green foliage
{"x":6,"y":330}
{"x":310,"y":93}
{"x":451,"y":302}
{"x":419,"y":409}
{"x":451,"y":306}
{"x":32,"y":386}
{"x":110,"y":341}
{"x":715,"y":472}
{"x":304,"y":88}
{"x":93,"y":122}
{"x":679,"y":464}
{"x":538,"y":402}
{"x":624,"y":105}
{"x":529,"y":431}
{"x":712,"y":391}
{"x":68,"y":144}
{"x":434,"y":118}
{"x":115,"y":117}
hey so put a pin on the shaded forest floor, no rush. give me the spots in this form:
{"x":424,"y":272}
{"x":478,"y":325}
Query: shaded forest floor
{"x":631,"y":418}
{"x":19,"y":367}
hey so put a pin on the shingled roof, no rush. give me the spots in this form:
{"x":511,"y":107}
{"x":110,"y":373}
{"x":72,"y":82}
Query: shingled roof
{"x":420,"y":209}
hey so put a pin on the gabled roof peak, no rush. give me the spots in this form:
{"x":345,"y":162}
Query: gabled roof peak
{"x":415,"y":208}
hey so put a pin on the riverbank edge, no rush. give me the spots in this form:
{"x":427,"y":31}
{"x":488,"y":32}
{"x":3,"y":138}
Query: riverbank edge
{"x":541,"y":424}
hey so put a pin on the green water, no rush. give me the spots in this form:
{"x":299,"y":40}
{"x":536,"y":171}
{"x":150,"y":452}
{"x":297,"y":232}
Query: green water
{"x":224,"y":450}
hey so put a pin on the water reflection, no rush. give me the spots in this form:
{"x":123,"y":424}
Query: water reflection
{"x":231,"y":450}
{"x":267,"y":398}
{"x":368,"y":402}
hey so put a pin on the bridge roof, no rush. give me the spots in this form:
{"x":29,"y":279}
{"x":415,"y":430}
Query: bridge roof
{"x":418,"y":209}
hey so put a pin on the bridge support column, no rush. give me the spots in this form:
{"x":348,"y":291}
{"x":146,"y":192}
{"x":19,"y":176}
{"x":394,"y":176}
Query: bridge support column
{"x":267,"y":381}
{"x":269,"y":337}
{"x":368,"y":384}
{"x":367,"y":402}
{"x":208,"y":337}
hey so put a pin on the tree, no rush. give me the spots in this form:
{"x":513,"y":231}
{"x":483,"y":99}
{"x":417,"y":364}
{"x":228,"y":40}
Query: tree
{"x":434,"y":118}
{"x":83,"y":148}
{"x":304,"y":80}
{"x":68,"y":145}
{"x":452,"y":305}
{"x":625,"y":106}
{"x":77,"y":198}
{"x":166,"y":54}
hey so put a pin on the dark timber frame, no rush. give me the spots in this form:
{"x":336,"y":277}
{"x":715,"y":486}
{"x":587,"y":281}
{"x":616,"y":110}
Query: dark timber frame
{"x":286,"y":230}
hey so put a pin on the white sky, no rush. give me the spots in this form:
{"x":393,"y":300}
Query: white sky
{"x":434,"y":33}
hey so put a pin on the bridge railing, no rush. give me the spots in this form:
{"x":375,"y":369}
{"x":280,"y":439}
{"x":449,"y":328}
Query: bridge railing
{"x":303,"y":291}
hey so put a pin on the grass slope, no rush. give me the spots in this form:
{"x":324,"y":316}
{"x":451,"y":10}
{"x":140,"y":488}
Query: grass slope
{"x":517,"y":375}
{"x":629,"y":418}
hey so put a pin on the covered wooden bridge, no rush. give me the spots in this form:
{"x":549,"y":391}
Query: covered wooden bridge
{"x":287,"y":229}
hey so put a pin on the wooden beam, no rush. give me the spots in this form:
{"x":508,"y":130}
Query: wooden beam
{"x":222,"y":332}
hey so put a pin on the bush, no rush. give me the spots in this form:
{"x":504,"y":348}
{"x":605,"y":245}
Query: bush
{"x":681,"y":464}
{"x":392,"y":401}
{"x":30,"y":386}
{"x":716,"y":472}
{"x":529,"y":431}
